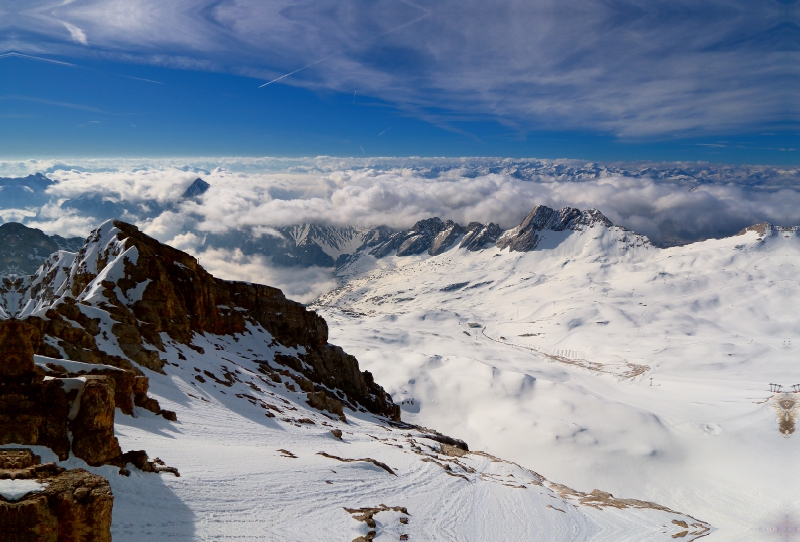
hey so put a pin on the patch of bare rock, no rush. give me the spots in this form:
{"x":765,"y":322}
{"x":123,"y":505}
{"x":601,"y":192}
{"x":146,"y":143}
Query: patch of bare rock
{"x":47,"y":503}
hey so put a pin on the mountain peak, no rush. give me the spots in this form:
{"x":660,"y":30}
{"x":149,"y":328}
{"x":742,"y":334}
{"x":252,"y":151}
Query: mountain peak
{"x":527,"y":235}
{"x":196,"y":189}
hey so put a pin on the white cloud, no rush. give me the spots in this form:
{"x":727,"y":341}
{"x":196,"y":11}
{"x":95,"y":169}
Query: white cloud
{"x":303,"y":285}
{"x":251,"y":194}
{"x":76,"y":33}
{"x":261,"y":194}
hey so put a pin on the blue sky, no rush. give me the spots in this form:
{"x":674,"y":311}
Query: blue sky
{"x":603,"y":80}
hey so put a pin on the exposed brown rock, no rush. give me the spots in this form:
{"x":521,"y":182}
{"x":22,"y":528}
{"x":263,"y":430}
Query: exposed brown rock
{"x":93,"y":437}
{"x":761,"y":229}
{"x":35,"y":414}
{"x":182,"y":299}
{"x":73,"y":506}
{"x":178,"y":299}
{"x":63,"y":413}
{"x":18,"y":341}
{"x":384,"y":466}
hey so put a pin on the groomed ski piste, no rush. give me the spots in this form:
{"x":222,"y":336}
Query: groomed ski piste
{"x":602,"y":361}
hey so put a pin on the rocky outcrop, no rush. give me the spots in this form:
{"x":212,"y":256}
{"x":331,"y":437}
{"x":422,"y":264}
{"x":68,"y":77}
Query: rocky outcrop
{"x":527,"y":235}
{"x":47,"y":503}
{"x":124,"y":294}
{"x":431,"y":235}
{"x":445,"y":238}
{"x":763,"y":229}
{"x":196,"y":189}
{"x":479,"y":237}
{"x":66,"y":414}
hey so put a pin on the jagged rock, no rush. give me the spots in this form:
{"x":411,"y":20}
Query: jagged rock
{"x":445,"y":239}
{"x":67,"y":506}
{"x":761,"y":228}
{"x":479,"y":237}
{"x":431,"y":235}
{"x":93,"y":437}
{"x":175,"y":298}
{"x":35,"y":414}
{"x":527,"y":235}
{"x":321,"y":401}
{"x":65,"y":414}
{"x":130,"y":387}
{"x":18,"y":341}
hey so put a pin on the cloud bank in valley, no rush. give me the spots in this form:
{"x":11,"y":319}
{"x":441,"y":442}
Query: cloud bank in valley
{"x":666,"y":203}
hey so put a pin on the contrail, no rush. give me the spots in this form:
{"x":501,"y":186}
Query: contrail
{"x":14,"y":54}
{"x":386,"y":130}
{"x":373,"y":38}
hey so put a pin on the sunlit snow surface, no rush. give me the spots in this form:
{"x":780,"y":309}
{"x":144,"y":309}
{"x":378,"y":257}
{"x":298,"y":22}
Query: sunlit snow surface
{"x":601,"y":362}
{"x":246,"y":476}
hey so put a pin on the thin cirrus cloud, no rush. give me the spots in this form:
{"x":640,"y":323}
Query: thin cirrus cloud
{"x":630,"y":68}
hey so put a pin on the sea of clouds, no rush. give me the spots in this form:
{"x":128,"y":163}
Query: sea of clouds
{"x":257,"y":195}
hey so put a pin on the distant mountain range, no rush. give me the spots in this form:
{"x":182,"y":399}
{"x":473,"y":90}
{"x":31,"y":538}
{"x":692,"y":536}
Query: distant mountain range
{"x":331,"y":246}
{"x":23,"y":250}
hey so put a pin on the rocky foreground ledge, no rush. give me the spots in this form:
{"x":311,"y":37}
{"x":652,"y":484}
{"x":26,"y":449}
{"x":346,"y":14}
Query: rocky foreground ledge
{"x":78,"y":339}
{"x":47,"y":503}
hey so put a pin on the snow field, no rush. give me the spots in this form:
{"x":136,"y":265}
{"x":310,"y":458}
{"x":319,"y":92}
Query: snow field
{"x":547,"y":381}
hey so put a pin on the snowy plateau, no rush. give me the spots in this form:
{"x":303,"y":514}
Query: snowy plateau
{"x":601,"y":361}
{"x":607,"y":389}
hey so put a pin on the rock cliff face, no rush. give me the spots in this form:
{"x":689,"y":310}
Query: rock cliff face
{"x":527,"y":235}
{"x":431,"y":235}
{"x":304,"y":245}
{"x":479,"y":237}
{"x":66,"y":414}
{"x":123,"y":295}
{"x":434,"y":236}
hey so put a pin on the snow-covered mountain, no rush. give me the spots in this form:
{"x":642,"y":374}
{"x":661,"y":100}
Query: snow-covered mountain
{"x":329,"y":246}
{"x":664,"y":374}
{"x":276,"y":433}
{"x":24,"y":249}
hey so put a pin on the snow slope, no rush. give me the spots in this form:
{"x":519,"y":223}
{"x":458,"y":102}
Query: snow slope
{"x":601,"y":361}
{"x":248,"y":452}
{"x":256,"y":462}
